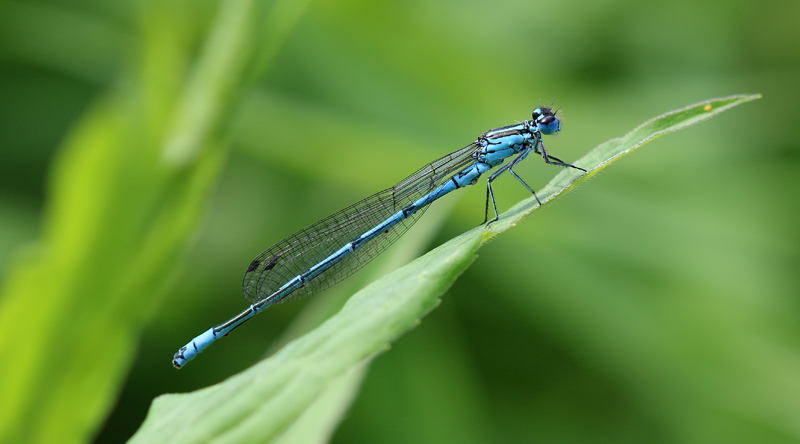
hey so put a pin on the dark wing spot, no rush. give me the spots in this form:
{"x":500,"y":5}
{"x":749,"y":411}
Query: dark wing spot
{"x":253,"y":265}
{"x":272,"y":262}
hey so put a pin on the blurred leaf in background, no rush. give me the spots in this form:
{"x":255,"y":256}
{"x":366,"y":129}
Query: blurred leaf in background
{"x":658,"y":305}
{"x":125,"y":192}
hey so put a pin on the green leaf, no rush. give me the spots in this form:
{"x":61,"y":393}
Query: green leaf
{"x":268,"y":401}
{"x":126,"y":192}
{"x":610,"y":151}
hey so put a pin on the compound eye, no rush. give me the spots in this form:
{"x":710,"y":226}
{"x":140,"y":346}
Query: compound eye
{"x":546,"y":121}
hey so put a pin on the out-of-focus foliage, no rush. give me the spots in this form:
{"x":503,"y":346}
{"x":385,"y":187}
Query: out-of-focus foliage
{"x":658,"y":305}
{"x":125,"y":193}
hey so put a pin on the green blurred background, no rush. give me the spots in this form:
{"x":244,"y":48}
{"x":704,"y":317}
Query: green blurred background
{"x":656,"y":303}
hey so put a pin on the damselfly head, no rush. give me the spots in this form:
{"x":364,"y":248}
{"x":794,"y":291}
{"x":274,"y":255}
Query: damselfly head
{"x":546,"y":120}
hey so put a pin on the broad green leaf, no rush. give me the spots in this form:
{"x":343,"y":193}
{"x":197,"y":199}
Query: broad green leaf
{"x":126,"y":192}
{"x":289,"y":388}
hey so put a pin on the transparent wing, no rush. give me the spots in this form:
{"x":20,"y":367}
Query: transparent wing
{"x":309,"y":246}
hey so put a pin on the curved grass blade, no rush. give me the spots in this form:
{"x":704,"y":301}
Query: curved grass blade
{"x":608,"y":152}
{"x":263,"y":402}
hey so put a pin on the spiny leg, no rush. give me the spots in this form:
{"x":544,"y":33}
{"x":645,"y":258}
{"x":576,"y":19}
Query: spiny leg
{"x":550,"y":156}
{"x":569,"y":165}
{"x":493,"y":176}
{"x":560,"y":162}
{"x":526,"y":185}
{"x":486,"y":210}
{"x":513,"y":163}
{"x":490,"y":195}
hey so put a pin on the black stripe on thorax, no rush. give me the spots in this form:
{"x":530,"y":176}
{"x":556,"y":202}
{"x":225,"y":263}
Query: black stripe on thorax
{"x":502,"y":134}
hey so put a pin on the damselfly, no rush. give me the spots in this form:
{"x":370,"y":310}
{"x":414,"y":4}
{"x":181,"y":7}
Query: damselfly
{"x":332,"y":249}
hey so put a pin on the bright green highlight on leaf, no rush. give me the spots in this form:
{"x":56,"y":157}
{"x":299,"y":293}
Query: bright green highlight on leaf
{"x":262,"y":403}
{"x":126,"y":191}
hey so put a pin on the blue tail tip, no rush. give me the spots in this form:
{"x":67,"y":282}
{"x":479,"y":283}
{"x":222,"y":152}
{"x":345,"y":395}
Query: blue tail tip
{"x":179,"y":360}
